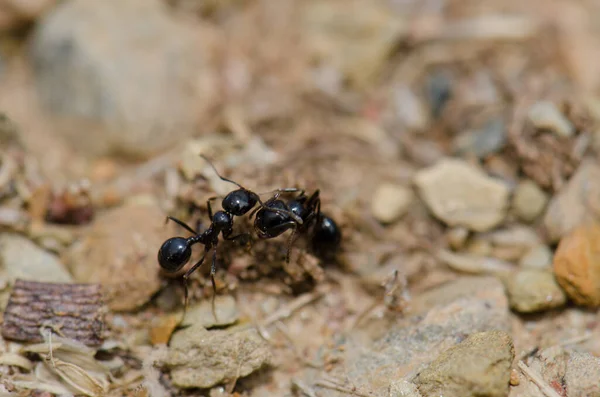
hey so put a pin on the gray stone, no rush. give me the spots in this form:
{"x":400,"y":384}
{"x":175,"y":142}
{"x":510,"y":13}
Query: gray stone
{"x":462,"y":195}
{"x":532,"y":291}
{"x":478,"y":366}
{"x":125,"y":67}
{"x":201,"y":358}
{"x":482,"y":142}
{"x":21,"y":258}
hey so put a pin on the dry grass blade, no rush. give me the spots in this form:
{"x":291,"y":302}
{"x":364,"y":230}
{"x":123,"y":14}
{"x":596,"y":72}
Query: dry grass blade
{"x":70,"y":362}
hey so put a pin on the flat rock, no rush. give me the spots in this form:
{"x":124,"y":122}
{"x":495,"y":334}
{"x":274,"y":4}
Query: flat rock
{"x":437,"y":320}
{"x":135,"y":76}
{"x":119,"y":252}
{"x":532,"y":291}
{"x":391,"y":202}
{"x":578,"y":201}
{"x":583,"y":375}
{"x":21,"y":258}
{"x":577,"y":264}
{"x":201,"y":358}
{"x":478,"y":366}
{"x":462,"y":195}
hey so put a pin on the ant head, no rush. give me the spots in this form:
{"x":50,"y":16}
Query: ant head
{"x":174,"y":254}
{"x":221,"y":220}
{"x":239,"y":202}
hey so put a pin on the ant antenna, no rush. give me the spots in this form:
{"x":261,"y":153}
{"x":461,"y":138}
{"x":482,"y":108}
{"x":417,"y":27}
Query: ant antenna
{"x":219,"y":175}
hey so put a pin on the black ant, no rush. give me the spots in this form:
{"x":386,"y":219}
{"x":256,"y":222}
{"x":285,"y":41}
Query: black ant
{"x":176,"y":251}
{"x":269,"y":223}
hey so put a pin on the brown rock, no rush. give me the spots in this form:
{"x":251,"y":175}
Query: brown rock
{"x":119,"y":252}
{"x":577,"y":264}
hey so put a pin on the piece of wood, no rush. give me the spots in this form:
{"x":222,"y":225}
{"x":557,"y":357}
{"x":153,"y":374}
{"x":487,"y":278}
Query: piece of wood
{"x":75,"y":310}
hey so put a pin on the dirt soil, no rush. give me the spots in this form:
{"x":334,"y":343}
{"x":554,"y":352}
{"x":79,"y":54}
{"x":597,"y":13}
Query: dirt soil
{"x":455,"y":145}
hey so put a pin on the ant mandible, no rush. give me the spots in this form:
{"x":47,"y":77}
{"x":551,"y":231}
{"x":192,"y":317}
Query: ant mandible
{"x":177,"y":251}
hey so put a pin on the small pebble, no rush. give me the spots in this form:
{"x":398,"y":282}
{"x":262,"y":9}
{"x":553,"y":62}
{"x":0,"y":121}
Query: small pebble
{"x":439,"y":91}
{"x":577,"y":264}
{"x":538,"y":257}
{"x":225,"y":307}
{"x":480,"y":247}
{"x":410,"y":109}
{"x":391,"y":202}
{"x":531,"y":291}
{"x":473,"y":264}
{"x":545,"y":115}
{"x":514,"y":378}
{"x":457,"y":237}
{"x":482,"y":142}
{"x":529,"y":201}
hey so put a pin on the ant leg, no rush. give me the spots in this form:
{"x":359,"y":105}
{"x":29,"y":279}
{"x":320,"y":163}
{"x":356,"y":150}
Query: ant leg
{"x":213,"y":270}
{"x":264,"y":205}
{"x":291,"y":240}
{"x":181,"y":223}
{"x":210,"y":213}
{"x":185,"y":283}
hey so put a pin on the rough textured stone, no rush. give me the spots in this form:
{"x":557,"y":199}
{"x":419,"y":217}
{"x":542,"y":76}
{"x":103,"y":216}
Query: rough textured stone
{"x":532,"y":291}
{"x":577,"y":264}
{"x":478,"y":366}
{"x":462,"y":195}
{"x":201,"y":358}
{"x":583,"y":375}
{"x":126,"y":67}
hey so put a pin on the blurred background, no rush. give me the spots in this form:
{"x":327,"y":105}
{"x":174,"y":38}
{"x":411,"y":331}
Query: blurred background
{"x":448,"y":139}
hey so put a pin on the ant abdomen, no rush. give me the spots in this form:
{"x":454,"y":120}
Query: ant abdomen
{"x":174,"y":254}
